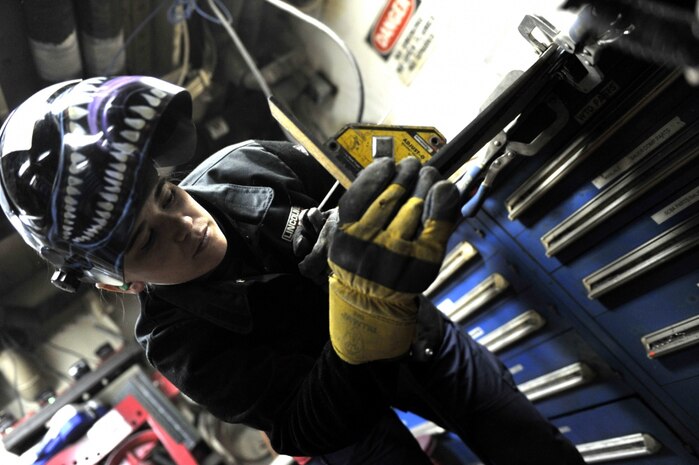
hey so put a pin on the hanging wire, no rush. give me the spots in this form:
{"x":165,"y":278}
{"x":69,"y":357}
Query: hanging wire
{"x":336,"y":38}
{"x":190,"y":7}
{"x":227,"y":25}
{"x":182,"y":11}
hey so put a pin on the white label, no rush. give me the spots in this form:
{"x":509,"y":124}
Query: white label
{"x":446,"y":305}
{"x":597,"y":102}
{"x":413,"y":48}
{"x":565,"y":429}
{"x":476,"y":332}
{"x":677,"y":206}
{"x":516,"y":369}
{"x":661,"y":136}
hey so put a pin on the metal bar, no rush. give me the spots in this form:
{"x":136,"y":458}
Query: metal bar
{"x":485,"y":292}
{"x":674,"y":242}
{"x":620,"y":448}
{"x":582,"y":147}
{"x":678,"y":336}
{"x":651,"y":172}
{"x":457,"y":258}
{"x":557,"y":381}
{"x":500,"y":112}
{"x":513,"y":331}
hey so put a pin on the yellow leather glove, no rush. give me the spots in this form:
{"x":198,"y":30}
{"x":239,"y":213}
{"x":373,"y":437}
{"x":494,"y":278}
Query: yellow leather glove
{"x":394,"y":223}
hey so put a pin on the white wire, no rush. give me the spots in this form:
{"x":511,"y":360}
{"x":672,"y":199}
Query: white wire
{"x":241,"y":48}
{"x":336,"y":38}
{"x":185,"y":54}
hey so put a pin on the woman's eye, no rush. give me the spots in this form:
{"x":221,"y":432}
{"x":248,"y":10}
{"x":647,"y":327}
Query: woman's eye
{"x":169,"y":198}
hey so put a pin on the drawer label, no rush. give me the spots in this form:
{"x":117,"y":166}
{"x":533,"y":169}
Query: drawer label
{"x":677,"y":206}
{"x":516,"y":369}
{"x":597,"y":102}
{"x":476,"y":332}
{"x":657,"y":139}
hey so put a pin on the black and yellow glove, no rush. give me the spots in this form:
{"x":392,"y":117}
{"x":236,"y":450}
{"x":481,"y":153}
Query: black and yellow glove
{"x":394,"y":223}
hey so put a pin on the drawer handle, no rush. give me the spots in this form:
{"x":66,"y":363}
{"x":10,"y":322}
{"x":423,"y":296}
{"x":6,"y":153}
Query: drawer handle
{"x":653,"y":171}
{"x":513,"y":331}
{"x":661,"y":249}
{"x":621,"y":448}
{"x":453,"y":262}
{"x":485,"y":292}
{"x":557,"y":381}
{"x":677,"y":336}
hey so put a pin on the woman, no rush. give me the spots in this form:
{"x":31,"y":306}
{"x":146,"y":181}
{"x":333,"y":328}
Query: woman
{"x":225,"y":313}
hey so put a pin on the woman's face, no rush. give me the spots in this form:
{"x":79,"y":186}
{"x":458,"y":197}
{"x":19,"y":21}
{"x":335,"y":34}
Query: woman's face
{"x":175,"y":239}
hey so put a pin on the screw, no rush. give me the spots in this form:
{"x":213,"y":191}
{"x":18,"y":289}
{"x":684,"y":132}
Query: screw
{"x":429,"y":352}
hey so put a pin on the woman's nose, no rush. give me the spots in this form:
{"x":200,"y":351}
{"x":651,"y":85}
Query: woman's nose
{"x":181,"y":227}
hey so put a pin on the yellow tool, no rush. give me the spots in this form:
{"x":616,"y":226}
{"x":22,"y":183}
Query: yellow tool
{"x":361,"y":142}
{"x":356,"y":145}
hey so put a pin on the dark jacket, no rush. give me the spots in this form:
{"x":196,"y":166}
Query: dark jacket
{"x":250,"y":342}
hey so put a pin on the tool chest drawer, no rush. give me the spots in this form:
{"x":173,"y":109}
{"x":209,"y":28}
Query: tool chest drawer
{"x":593,"y":116}
{"x":589,"y":218}
{"x":563,"y":375}
{"x":629,"y":153}
{"x":516,"y":324}
{"x":660,"y":329}
{"x":626,"y":432}
{"x":638,"y":260}
{"x":479,"y":288}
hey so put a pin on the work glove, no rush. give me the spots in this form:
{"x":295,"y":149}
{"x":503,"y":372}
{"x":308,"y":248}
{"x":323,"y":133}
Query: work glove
{"x":394,"y":223}
{"x":310,"y":242}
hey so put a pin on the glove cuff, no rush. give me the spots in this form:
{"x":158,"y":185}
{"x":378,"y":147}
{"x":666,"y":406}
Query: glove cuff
{"x":364,"y":329}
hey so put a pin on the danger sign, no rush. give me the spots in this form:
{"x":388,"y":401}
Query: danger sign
{"x":389,"y":25}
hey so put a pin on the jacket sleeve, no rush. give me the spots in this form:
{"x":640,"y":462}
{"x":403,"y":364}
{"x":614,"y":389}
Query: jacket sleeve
{"x":306,"y":405}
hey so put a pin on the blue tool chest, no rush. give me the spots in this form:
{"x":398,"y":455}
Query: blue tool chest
{"x":584,"y":271}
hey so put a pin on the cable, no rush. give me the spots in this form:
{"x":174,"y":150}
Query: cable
{"x":333,"y":35}
{"x":190,"y":6}
{"x":241,"y":48}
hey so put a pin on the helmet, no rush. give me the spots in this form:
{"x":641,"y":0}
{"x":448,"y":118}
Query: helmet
{"x":77,"y":161}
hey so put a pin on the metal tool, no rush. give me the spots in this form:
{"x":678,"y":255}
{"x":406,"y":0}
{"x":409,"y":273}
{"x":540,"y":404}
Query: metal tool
{"x":500,"y":153}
